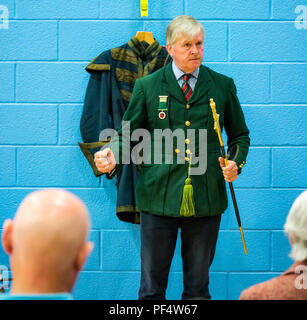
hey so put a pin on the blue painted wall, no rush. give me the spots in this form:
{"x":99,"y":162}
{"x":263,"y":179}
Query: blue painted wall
{"x":42,"y":85}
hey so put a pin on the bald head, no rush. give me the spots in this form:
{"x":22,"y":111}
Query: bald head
{"x":48,"y":234}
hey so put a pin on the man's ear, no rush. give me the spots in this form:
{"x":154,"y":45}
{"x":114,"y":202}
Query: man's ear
{"x":7,"y":236}
{"x":83,"y":254}
{"x":169,"y":49}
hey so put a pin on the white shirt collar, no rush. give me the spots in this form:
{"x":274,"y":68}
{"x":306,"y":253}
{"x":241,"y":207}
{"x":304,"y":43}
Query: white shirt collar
{"x":179,"y":73}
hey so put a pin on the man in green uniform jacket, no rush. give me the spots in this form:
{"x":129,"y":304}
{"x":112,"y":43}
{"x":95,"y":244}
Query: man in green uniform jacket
{"x":177,"y":97}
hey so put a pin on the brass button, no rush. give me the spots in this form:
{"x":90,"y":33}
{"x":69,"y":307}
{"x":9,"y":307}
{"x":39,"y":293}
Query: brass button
{"x":187,"y":159}
{"x":242,"y":164}
{"x":187,"y":123}
{"x":188,"y":106}
{"x":177,"y":150}
{"x":187,"y":141}
{"x":188,"y":151}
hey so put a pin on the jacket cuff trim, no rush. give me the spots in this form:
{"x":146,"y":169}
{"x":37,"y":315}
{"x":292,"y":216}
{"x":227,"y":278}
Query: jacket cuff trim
{"x":86,"y":150}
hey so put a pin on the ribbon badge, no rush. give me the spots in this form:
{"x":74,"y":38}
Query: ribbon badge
{"x":162,"y":107}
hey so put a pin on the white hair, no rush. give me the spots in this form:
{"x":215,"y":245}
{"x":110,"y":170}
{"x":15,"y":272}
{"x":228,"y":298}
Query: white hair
{"x":296,"y":228}
{"x":184,"y":24}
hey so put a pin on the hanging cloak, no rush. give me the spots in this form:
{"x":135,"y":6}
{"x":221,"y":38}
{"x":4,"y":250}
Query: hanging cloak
{"x":112,"y":77}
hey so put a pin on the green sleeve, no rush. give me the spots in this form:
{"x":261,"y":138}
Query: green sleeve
{"x":134,"y":118}
{"x":95,"y":115}
{"x":96,"y":106}
{"x":237,"y":132}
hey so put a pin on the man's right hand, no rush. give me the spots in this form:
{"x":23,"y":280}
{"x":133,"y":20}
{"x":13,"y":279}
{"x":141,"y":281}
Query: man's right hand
{"x":105,"y":160}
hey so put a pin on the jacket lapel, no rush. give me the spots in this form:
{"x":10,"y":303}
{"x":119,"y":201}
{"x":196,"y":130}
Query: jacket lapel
{"x":203,"y":85}
{"x":171,"y":85}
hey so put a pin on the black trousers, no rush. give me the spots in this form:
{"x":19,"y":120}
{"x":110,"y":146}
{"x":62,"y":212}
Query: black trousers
{"x":158,"y":241}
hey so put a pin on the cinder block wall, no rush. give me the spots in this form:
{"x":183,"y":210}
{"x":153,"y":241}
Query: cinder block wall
{"x":42,"y":85}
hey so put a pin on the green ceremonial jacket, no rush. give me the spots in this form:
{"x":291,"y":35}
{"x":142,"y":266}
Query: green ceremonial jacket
{"x":159,"y":187}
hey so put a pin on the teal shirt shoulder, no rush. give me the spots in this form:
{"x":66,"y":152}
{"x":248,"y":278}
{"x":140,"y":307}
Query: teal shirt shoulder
{"x":45,"y":296}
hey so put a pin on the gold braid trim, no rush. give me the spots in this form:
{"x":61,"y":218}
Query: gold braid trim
{"x":126,"y":95}
{"x":125,"y":55}
{"x":99,"y":67}
{"x":125,"y":75}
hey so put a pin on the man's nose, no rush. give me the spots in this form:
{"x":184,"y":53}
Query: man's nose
{"x":194,"y":49}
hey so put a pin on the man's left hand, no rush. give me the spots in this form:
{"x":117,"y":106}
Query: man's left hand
{"x":230,"y":171}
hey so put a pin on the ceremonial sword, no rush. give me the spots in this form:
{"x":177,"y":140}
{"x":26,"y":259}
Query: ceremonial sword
{"x":216,"y":117}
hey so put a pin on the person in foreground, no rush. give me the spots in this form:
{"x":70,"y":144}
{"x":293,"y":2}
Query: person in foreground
{"x":176,"y":97}
{"x":47,"y":245}
{"x":292,"y":284}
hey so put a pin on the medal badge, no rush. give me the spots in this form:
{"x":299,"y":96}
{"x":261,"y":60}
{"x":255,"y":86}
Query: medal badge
{"x":162,"y":115}
{"x":162,"y":107}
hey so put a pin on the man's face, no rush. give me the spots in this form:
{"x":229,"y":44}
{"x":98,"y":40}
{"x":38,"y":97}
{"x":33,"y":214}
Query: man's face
{"x":187,"y":52}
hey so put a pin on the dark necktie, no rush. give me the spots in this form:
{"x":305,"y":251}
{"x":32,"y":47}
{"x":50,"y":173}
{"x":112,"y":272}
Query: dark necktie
{"x":186,"y":89}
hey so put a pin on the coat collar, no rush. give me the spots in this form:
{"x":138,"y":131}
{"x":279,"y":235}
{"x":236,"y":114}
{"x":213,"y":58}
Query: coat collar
{"x":143,"y":51}
{"x":291,"y":270}
{"x":203,"y":84}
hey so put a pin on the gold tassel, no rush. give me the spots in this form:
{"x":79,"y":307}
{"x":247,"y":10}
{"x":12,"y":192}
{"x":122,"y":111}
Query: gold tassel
{"x":187,"y":208}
